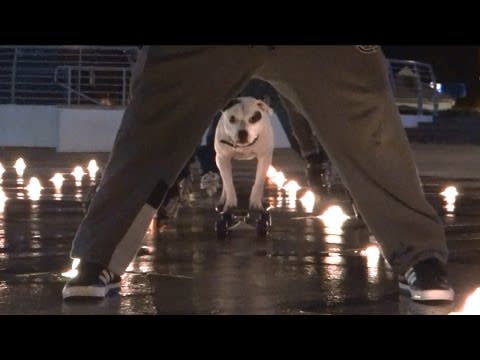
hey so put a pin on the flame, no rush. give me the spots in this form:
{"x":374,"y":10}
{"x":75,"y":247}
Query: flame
{"x":92,"y":169}
{"x":20,"y":166}
{"x":333,"y":218}
{"x":3,"y":200}
{"x":2,"y":170}
{"x":279,"y":179}
{"x":472,"y":305}
{"x":450,"y":194}
{"x":57,"y":180}
{"x":78,"y":174}
{"x":291,"y":188}
{"x":34,"y":189}
{"x":372,"y":253}
{"x":271,"y":172}
{"x":73,"y":272}
{"x":450,"y":191}
{"x":308,"y":201}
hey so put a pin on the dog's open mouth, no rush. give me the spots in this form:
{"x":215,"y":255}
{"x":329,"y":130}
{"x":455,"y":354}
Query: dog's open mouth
{"x":237,"y":145}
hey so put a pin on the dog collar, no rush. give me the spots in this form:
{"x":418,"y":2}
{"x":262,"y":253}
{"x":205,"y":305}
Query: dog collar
{"x":239,"y":146}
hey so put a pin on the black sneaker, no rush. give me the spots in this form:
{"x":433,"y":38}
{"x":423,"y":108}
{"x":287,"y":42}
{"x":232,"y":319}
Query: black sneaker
{"x":427,"y":281}
{"x":93,"y":280}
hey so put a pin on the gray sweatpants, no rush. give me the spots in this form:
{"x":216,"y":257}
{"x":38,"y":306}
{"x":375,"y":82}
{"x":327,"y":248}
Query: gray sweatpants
{"x":343,"y":93}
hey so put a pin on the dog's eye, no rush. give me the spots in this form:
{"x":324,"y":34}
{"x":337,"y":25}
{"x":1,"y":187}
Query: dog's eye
{"x":232,"y":119}
{"x":256,"y":117}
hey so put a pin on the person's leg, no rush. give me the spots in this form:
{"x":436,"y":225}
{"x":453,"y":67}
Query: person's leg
{"x":345,"y":94}
{"x":176,"y":92}
{"x":318,"y":169}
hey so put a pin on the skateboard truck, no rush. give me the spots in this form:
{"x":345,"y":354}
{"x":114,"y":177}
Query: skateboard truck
{"x":229,"y":220}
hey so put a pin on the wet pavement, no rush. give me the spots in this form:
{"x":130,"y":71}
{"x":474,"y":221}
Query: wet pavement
{"x":306,"y":264}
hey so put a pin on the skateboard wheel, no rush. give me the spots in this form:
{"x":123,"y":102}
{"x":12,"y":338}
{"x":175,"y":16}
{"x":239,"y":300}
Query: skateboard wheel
{"x":221,"y":228}
{"x":264,"y":223}
{"x":227,"y":217}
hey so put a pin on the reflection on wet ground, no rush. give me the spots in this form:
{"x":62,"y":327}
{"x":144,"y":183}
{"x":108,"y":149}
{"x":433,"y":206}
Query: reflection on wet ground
{"x":319,"y":258}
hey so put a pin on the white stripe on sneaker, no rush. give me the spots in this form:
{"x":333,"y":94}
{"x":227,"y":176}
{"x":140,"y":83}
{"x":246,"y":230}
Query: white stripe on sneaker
{"x":84,"y":291}
{"x":128,"y":246}
{"x":103,"y":278}
{"x":106,"y":273}
{"x":412,"y":278}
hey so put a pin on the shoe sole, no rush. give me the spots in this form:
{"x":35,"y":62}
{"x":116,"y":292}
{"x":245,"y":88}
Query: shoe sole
{"x":428,"y":295}
{"x":89,"y":291}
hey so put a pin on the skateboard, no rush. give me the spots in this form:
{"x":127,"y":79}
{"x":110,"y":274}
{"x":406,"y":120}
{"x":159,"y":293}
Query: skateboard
{"x":229,"y":220}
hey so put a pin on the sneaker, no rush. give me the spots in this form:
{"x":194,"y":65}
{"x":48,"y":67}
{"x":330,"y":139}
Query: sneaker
{"x":93,"y":280}
{"x":427,"y":281}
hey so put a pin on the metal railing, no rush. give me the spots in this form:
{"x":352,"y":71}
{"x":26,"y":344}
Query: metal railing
{"x":414,"y":87}
{"x":98,"y":85}
{"x":100,"y":75}
{"x":66,"y":75}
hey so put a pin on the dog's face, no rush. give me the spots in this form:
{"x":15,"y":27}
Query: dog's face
{"x":244,"y":119}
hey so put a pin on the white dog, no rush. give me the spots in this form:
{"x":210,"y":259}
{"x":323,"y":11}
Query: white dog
{"x":244,"y":132}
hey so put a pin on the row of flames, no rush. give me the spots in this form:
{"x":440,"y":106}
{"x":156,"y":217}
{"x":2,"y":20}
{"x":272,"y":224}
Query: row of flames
{"x":77,"y":172}
{"x":34,"y":186}
{"x":333,"y":218}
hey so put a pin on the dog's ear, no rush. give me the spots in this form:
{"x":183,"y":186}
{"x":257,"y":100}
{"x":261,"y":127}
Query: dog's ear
{"x":264,"y":107}
{"x":231,"y":103}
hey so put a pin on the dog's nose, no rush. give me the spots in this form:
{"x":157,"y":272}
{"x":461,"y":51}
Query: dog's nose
{"x":242,"y":136}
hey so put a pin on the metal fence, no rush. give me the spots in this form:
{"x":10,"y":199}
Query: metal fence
{"x":100,"y":75}
{"x":66,"y":75}
{"x":414,"y":85}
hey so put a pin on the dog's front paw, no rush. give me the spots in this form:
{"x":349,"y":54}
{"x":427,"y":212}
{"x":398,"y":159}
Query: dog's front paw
{"x":229,"y":204}
{"x":255,"y":201}
{"x":256,"y":204}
